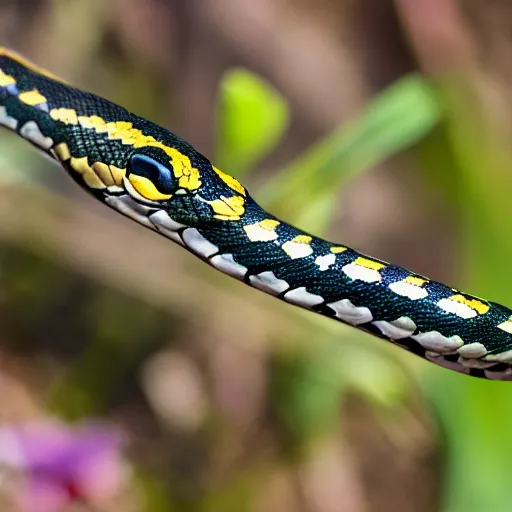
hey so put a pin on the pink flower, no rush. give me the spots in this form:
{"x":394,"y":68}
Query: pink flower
{"x":61,"y":464}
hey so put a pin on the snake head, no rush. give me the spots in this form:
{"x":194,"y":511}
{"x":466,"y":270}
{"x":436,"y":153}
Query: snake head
{"x":163,"y":177}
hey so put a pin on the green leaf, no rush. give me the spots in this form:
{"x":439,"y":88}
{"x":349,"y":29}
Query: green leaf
{"x":396,"y":119}
{"x":306,"y":387}
{"x":251,"y":119}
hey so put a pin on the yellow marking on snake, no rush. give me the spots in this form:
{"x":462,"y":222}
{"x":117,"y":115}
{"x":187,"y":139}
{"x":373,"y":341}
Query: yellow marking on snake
{"x":474,"y":304}
{"x":363,"y":269}
{"x":103,"y":173}
{"x":269,"y":224}
{"x":371,"y":264}
{"x":81,"y":166}
{"x":298,"y":247}
{"x":506,"y":326}
{"x":147,"y":189}
{"x":338,"y":249}
{"x":118,"y":174}
{"x":6,"y":79}
{"x":263,"y":231}
{"x":188,"y":176}
{"x":230,"y":181}
{"x":92,"y":179}
{"x":302,"y":239}
{"x":228,"y":208}
{"x":62,"y":151}
{"x":410,"y":287}
{"x":65,"y":115}
{"x":96,"y":123}
{"x":32,"y":98}
{"x":416,"y":281}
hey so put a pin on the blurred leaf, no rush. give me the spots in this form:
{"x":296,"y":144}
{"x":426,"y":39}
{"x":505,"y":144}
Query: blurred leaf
{"x":237,"y":491}
{"x":378,"y":378}
{"x":251,"y":119}
{"x":475,"y":414}
{"x":309,"y":384}
{"x":306,"y":191}
{"x":123,"y":331}
{"x":155,"y":494}
{"x":307,"y":387}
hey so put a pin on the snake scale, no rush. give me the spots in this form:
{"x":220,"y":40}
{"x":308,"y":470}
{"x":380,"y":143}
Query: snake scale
{"x":152,"y":176}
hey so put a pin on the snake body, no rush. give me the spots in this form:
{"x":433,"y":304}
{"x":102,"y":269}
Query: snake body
{"x":152,"y":176}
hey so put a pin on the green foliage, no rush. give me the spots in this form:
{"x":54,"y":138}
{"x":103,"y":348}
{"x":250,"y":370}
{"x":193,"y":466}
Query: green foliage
{"x":306,"y":191}
{"x":474,"y":170}
{"x":251,"y":119}
{"x":237,"y":493}
{"x":155,"y":494}
{"x":307,"y":388}
{"x":123,"y":331}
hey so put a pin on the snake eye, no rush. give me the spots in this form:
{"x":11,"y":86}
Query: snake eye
{"x":150,"y":179}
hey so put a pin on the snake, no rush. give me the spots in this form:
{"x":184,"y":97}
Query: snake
{"x":154,"y":177}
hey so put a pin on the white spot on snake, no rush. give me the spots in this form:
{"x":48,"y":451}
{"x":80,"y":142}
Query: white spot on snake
{"x":441,"y":361}
{"x":358,"y":272}
{"x":165,"y":225}
{"x":302,"y":297}
{"x":127,"y":206}
{"x":298,"y":248}
{"x":504,"y":375}
{"x":43,"y":107}
{"x":404,"y":322}
{"x":457,"y":308}
{"x":351,"y":314}
{"x":268,"y":282}
{"x":6,"y":120}
{"x":324,"y":262}
{"x":472,"y":350}
{"x":31,"y":131}
{"x":227,"y":264}
{"x":506,"y":326}
{"x":476,"y":363}
{"x":503,"y":357}
{"x":162,"y":219}
{"x":198,"y":243}
{"x":260,"y":233}
{"x":13,"y":89}
{"x":115,"y":189}
{"x":408,"y":290}
{"x":398,"y":329}
{"x":436,"y":342}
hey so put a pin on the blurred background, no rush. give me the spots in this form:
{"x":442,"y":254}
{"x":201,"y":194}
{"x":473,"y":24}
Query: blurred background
{"x":382,"y":125}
